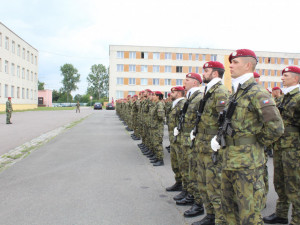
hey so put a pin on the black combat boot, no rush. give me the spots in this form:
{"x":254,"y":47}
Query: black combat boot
{"x":175,"y":187}
{"x":273,"y":219}
{"x":159,"y":163}
{"x":181,"y":195}
{"x":188,"y":200}
{"x":195,"y":210}
{"x":154,"y":160}
{"x":208,"y":220}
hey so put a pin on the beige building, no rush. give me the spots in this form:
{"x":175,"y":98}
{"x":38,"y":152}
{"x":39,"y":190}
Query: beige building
{"x":136,"y":68}
{"x":18,"y":71}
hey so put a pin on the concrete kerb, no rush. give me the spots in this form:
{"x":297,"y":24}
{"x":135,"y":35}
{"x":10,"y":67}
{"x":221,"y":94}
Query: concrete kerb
{"x":20,"y":152}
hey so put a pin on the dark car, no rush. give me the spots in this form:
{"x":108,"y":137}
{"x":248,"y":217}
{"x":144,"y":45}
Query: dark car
{"x":110,"y":106}
{"x":97,"y":105}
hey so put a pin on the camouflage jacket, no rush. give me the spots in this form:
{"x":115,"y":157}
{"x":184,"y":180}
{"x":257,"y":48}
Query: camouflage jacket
{"x":278,"y":100}
{"x":168,"y":107}
{"x":8,"y":106}
{"x":257,"y":119}
{"x":157,"y":115}
{"x":174,"y":118}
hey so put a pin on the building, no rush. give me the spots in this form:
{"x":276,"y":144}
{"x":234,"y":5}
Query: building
{"x":45,"y":98}
{"x":136,"y":68}
{"x":18,"y":71}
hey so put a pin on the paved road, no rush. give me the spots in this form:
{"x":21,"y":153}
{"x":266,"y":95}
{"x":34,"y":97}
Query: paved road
{"x":92,"y":174}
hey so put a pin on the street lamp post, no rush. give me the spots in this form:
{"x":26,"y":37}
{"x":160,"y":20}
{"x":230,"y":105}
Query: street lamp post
{"x":91,"y":98}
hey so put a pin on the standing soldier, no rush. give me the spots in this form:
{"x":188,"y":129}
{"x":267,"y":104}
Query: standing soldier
{"x":209,"y":177}
{"x":168,"y":107}
{"x":177,"y":96}
{"x":287,"y":152}
{"x":9,"y":110}
{"x":78,"y":107}
{"x":251,"y":121}
{"x":134,"y":117}
{"x":277,"y":94}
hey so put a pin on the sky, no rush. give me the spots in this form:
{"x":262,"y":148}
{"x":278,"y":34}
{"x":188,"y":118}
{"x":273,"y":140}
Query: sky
{"x":80,"y":31}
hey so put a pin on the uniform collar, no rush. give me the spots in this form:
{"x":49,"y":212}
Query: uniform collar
{"x":289,"y":89}
{"x":212,"y":83}
{"x":192,"y":91}
{"x":240,"y":80}
{"x":174,"y":103}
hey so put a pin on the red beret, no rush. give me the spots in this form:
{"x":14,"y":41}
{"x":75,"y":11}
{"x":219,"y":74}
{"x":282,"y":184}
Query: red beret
{"x":128,"y":96}
{"x":242,"y":53}
{"x":135,"y":96}
{"x":169,"y":94}
{"x":195,"y":76}
{"x":256,"y":75}
{"x":292,"y":69}
{"x":213,"y":64}
{"x":178,"y":88}
{"x":276,"y":88}
{"x":158,"y":93}
{"x":9,"y":97}
{"x":148,"y":90}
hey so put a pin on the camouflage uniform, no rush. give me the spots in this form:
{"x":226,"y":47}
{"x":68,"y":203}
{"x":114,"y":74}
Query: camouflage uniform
{"x":9,"y":110}
{"x":257,"y":122}
{"x":134,"y":117}
{"x":209,"y":177}
{"x":168,"y":108}
{"x":287,"y":159}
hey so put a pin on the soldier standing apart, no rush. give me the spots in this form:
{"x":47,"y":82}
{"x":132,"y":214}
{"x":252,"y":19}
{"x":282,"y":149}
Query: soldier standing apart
{"x":177,"y":96}
{"x":78,"y":107}
{"x":9,"y":110}
{"x":254,"y":121}
{"x":287,"y":152}
{"x":209,"y":177}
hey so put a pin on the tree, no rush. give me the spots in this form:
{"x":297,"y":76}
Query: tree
{"x":41,"y":85}
{"x":55,"y":95}
{"x":71,"y":77}
{"x":98,"y":81}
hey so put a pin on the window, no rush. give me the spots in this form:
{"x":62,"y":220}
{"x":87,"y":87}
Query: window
{"x":263,"y":83}
{"x":18,"y":50}
{"x":31,"y":76}
{"x":144,"y":68}
{"x":291,"y":61}
{"x":120,"y":80}
{"x":190,"y":69}
{"x":167,"y":81}
{"x":12,"y":69}
{"x":275,"y":84}
{"x":197,"y":69}
{"x":120,"y":67}
{"x":263,"y":72}
{"x":27,"y":93}
{"x":120,"y":94}
{"x":168,"y":69}
{"x":190,"y":56}
{"x":6,"y":43}
{"x":155,"y":69}
{"x":178,"y":82}
{"x":35,"y":77}
{"x":120,"y":55}
{"x":144,"y":55}
{"x":31,"y":94}
{"x":0,"y":65}
{"x":23,"y":73}
{"x":131,"y":81}
{"x":131,"y":68}
{"x":18,"y":92}
{"x":23,"y":93}
{"x":269,"y":84}
{"x":179,"y":56}
{"x":203,"y":57}
{"x":276,"y":60}
{"x":35,"y":61}
{"x":298,"y":62}
{"x":282,"y":61}
{"x":168,"y":55}
{"x":281,"y":85}
{"x":6,"y":91}
{"x":262,"y":59}
{"x":31,"y":58}
{"x":213,"y":57}
{"x":12,"y":91}
{"x":155,"y":55}
{"x":166,"y":94}
{"x":0,"y":39}
{"x":23,"y":53}
{"x":132,"y":93}
{"x":27,"y":75}
{"x":13,"y":47}
{"x":132,"y":55}
{"x":18,"y":71}
{"x":269,"y":60}
{"x":178,"y":69}
{"x":28,"y":56}
{"x":197,"y":57}
{"x":144,"y":81}
{"x":155,"y":81}
{"x":6,"y":66}
{"x":275,"y":72}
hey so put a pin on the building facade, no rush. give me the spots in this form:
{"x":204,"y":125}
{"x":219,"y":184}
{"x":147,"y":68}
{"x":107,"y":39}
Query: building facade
{"x":136,"y":68}
{"x":18,"y":71}
{"x":45,"y":98}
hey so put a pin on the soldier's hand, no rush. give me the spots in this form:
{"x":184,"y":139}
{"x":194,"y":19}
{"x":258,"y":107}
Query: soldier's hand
{"x":214,"y":144}
{"x":176,"y":132}
{"x":192,"y":136}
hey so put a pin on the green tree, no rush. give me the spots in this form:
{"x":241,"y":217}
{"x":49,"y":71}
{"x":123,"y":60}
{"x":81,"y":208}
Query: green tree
{"x":71,"y":78}
{"x":55,"y":95}
{"x":98,"y":81}
{"x":41,"y":85}
{"x":77,"y":97}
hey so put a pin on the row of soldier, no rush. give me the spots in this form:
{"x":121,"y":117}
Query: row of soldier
{"x":218,"y":141}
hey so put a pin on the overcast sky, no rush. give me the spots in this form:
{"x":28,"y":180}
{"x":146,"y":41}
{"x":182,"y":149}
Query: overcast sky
{"x":80,"y":31}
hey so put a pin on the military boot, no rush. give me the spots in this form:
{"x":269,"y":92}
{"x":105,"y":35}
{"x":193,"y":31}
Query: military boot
{"x":159,"y":163}
{"x":154,"y":160}
{"x":188,"y":200}
{"x":181,"y":195}
{"x":273,"y":219}
{"x":195,"y":210}
{"x":175,"y":187}
{"x":208,"y":220}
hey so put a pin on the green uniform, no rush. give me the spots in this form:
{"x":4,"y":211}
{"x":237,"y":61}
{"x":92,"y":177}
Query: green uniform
{"x":287,"y":159}
{"x":257,"y":122}
{"x":78,"y":107}
{"x":8,"y":111}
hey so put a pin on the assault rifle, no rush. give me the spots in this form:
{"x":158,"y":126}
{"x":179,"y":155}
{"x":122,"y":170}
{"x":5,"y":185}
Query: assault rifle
{"x":181,"y":117}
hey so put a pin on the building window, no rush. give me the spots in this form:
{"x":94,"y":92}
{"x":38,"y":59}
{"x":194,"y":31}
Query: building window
{"x":120,"y":67}
{"x":178,"y":82}
{"x":27,"y":75}
{"x":31,"y":58}
{"x":291,"y":61}
{"x":18,"y":50}
{"x":213,"y":57}
{"x":132,"y":93}
{"x":269,"y":60}
{"x":190,"y":69}
{"x":197,"y":69}
{"x":18,"y":71}
{"x":12,"y":69}
{"x":263,"y":72}
{"x":0,"y":39}
{"x":281,"y":85}
{"x":167,"y":81}
{"x":155,"y":81}
{"x":203,"y":57}
{"x":35,"y":61}
{"x":155,"y":69}
{"x":6,"y":66}
{"x":197,"y":57}
{"x":35,"y":77}
{"x":131,"y":68}
{"x":18,"y":92}
{"x":31,"y":94}
{"x":120,"y":80}
{"x":120,"y":94}
{"x":269,"y":72}
{"x":168,"y":55}
{"x":263,"y":83}
{"x":13,"y":47}
{"x":178,"y":69}
{"x":190,"y":56}
{"x":6,"y":43}
{"x":120,"y":54}
{"x":179,"y":56}
{"x":23,"y":93}
{"x":166,"y":94}
{"x":298,"y":62}
{"x":12,"y":93}
{"x":23,"y":73}
{"x":144,"y":68}
{"x":31,"y":76}
{"x":28,"y":56}
{"x":6,"y":91}
{"x":23,"y":53}
{"x":276,"y":60}
{"x":132,"y":55}
{"x":0,"y":65}
{"x":168,"y":69}
{"x":155,"y":55}
{"x":282,"y":61}
{"x":262,"y":59}
{"x":144,"y":81}
{"x":131,"y":81}
{"x":275,"y":72}
{"x":27,"y":93}
{"x":144,"y":55}
{"x":269,"y":84}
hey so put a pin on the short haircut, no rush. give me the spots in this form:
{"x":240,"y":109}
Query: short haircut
{"x":220,"y":72}
{"x":251,"y":60}
{"x":160,"y":96}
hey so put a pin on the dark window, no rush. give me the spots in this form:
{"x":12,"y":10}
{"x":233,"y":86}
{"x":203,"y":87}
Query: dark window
{"x":142,"y":55}
{"x":178,"y":69}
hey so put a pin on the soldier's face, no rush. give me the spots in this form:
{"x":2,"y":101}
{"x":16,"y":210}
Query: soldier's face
{"x":238,"y":67}
{"x":207,"y":75}
{"x":173,"y":95}
{"x":289,"y":79}
{"x":189,"y":83}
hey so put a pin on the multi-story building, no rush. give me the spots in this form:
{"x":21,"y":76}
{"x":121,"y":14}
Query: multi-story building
{"x":136,"y":68}
{"x":18,"y":71}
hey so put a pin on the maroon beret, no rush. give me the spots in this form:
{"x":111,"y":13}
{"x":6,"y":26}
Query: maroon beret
{"x":128,"y":96}
{"x":256,"y":75}
{"x":135,"y":96}
{"x":194,"y":76}
{"x":275,"y":88}
{"x":169,"y":94}
{"x":148,"y":90}
{"x":242,"y":53}
{"x":158,"y":93}
{"x":177,"y":88}
{"x":9,"y":97}
{"x":213,"y":64}
{"x":292,"y":69}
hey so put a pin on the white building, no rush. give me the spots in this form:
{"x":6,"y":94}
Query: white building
{"x":18,"y":71}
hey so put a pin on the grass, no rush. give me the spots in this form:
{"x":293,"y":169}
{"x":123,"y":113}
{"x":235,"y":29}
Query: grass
{"x":44,"y":109}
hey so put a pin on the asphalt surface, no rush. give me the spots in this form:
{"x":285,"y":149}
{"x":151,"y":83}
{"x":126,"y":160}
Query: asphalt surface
{"x":92,"y":174}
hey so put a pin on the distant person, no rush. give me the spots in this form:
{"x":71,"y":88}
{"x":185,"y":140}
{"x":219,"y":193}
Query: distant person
{"x":9,"y":110}
{"x":78,"y":107}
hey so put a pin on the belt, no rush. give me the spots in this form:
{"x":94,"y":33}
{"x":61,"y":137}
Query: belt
{"x":291,"y":129}
{"x":241,"y":141}
{"x":208,"y":131}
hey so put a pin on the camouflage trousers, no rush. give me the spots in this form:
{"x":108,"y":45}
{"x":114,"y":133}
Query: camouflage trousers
{"x":184,"y":163}
{"x":176,"y":161}
{"x":266,"y":180}
{"x":157,"y":135}
{"x":8,"y":116}
{"x":242,"y":194}
{"x":287,"y":182}
{"x":209,"y":184}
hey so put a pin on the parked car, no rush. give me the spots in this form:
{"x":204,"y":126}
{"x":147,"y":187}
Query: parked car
{"x":110,"y":106}
{"x":97,"y":105}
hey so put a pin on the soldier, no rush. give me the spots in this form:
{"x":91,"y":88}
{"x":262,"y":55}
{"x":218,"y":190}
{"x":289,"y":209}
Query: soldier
{"x":177,"y":96}
{"x":134,"y":118}
{"x":168,"y":107}
{"x":287,"y":152}
{"x":190,"y":194}
{"x":78,"y":107}
{"x":209,"y":176}
{"x":277,"y":95}
{"x":251,"y":121}
{"x":9,"y":110}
